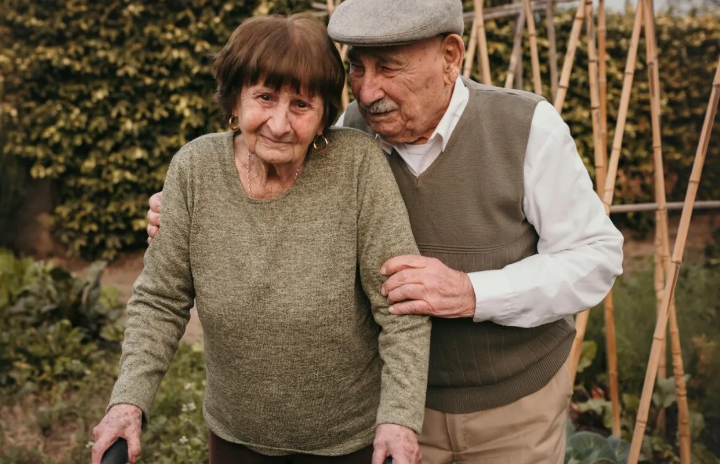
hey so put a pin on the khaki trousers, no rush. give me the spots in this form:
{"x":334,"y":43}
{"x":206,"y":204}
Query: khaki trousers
{"x":530,"y":430}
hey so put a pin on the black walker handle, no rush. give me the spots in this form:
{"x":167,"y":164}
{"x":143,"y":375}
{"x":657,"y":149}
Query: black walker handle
{"x":117,"y":453}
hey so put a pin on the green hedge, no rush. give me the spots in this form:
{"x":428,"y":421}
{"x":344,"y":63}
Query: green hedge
{"x":100,"y":95}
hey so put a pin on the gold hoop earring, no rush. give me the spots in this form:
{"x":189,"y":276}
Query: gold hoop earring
{"x":234,"y":128}
{"x":323,"y":142}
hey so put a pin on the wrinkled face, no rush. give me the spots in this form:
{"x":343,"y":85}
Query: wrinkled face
{"x":278,"y":125}
{"x":400,"y":90}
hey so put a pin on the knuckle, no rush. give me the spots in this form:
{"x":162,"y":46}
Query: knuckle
{"x":398,"y":294}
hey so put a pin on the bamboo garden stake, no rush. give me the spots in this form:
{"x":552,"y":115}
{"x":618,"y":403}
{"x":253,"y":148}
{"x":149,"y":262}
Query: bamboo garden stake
{"x":609,"y":189}
{"x":601,"y":176}
{"x":484,"y":60}
{"x":659,"y":280}
{"x":470,"y":55}
{"x":550,"y":21}
{"x":611,"y":347}
{"x":680,"y":387}
{"x":609,"y":307}
{"x":673,"y":271}
{"x":662,"y":225}
{"x":602,"y":70}
{"x":661,"y":232}
{"x":515,"y":57}
{"x":532,"y":35}
{"x":344,"y":98}
{"x":569,"y":59}
{"x":600,"y":158}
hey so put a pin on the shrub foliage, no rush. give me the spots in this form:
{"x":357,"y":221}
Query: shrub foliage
{"x":100,"y":95}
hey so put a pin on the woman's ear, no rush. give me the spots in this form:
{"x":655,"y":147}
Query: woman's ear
{"x":453,"y":52}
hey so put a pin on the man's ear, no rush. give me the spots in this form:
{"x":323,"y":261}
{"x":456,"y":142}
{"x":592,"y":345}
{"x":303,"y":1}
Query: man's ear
{"x":453,"y":52}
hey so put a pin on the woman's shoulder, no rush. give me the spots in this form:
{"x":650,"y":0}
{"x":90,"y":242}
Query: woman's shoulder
{"x":353,"y":144}
{"x":349,"y":138}
{"x":204,"y":150}
{"x":205,"y":145}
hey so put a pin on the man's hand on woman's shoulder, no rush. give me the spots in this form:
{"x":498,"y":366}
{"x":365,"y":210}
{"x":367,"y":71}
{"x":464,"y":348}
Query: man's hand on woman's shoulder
{"x":153,"y":216}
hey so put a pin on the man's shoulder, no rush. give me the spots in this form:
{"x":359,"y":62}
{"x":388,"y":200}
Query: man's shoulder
{"x":501,"y":93}
{"x":353,"y":119}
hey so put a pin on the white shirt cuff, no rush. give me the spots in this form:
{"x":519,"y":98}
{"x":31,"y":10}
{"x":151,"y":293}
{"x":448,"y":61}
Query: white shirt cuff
{"x":493,"y":296}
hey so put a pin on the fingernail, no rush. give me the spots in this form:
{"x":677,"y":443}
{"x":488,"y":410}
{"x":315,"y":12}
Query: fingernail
{"x":391,"y":309}
{"x":382,"y":270}
{"x":383,"y":292}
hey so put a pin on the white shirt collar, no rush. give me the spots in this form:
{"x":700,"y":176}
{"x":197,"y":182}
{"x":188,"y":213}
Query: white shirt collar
{"x":444,"y":129}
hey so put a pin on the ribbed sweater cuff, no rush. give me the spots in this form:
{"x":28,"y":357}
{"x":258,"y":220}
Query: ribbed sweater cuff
{"x":404,"y":418}
{"x":142,"y":398}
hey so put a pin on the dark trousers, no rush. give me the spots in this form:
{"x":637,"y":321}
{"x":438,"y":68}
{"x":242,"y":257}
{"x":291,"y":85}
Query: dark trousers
{"x":225,"y":452}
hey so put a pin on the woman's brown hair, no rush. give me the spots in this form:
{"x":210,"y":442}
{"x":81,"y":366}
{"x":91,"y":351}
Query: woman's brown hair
{"x":277,"y":51}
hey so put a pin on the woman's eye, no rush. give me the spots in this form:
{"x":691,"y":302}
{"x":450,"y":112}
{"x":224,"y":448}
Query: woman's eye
{"x":265,"y":97}
{"x":302,"y":105}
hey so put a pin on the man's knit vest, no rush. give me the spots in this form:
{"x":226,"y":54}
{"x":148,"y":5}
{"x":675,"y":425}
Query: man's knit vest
{"x":466,"y":209}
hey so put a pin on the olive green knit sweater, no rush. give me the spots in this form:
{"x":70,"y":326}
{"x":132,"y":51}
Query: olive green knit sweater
{"x":302,"y":354}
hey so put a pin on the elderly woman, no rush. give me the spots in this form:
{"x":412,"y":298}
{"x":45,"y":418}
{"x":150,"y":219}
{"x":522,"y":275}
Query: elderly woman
{"x":277,"y":231}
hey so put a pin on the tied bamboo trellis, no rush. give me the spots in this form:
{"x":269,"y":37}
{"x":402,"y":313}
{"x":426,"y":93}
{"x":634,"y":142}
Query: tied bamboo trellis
{"x":644,"y":14}
{"x":605,"y":185}
{"x":671,"y":275}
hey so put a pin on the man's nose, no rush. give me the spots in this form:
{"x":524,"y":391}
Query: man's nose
{"x":370,"y":89}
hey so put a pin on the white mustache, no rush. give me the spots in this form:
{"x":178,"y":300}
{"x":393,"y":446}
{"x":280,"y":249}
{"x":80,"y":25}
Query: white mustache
{"x":384,"y":105}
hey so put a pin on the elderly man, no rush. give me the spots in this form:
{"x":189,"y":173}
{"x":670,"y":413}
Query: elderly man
{"x":514,"y":239}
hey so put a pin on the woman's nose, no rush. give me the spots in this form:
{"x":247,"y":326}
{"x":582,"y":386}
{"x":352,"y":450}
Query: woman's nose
{"x":279,"y":122}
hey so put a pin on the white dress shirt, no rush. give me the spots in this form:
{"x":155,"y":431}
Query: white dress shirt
{"x":579,"y":251}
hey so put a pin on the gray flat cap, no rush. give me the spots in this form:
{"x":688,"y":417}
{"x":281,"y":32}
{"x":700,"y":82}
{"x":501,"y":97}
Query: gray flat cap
{"x":371,"y":23}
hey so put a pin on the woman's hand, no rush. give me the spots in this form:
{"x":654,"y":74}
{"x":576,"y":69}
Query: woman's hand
{"x":396,"y":441}
{"x":121,"y":421}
